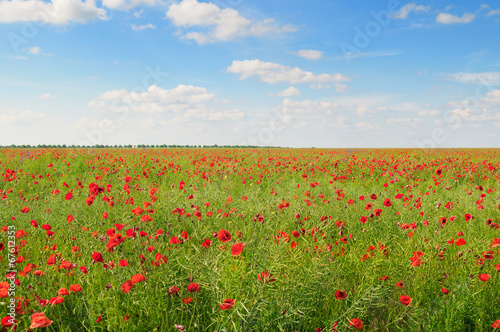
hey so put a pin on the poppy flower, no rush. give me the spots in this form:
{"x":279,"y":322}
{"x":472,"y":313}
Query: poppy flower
{"x":193,"y":287}
{"x":438,"y":171}
{"x":187,"y":300}
{"x":123,"y":263}
{"x":62,"y":291}
{"x":173,"y":290}
{"x":56,"y":300}
{"x":227,"y":304}
{"x":445,"y":291}
{"x":484,"y":277}
{"x":75,"y":288}
{"x":207,"y":243}
{"x":25,"y":209}
{"x":496,"y":324}
{"x":237,"y":249}
{"x":405,"y":299}
{"x":387,"y":202}
{"x":224,"y":236}
{"x":97,"y":257}
{"x":127,"y":286}
{"x":266,"y":277}
{"x":460,"y":242}
{"x":468,"y":216}
{"x":34,"y":223}
{"x":138,"y":278}
{"x":38,"y":319}
{"x":399,"y":284}
{"x":51,"y":260}
{"x":8,"y":321}
{"x":68,"y":196}
{"x":357,"y":323}
{"x":83,"y":269}
{"x":340,"y":295}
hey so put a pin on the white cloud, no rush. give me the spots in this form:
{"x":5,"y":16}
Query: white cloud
{"x":399,"y":121}
{"x":429,"y":112}
{"x":364,"y":125}
{"x":138,"y":13}
{"x":14,"y":116}
{"x":353,"y":55}
{"x":35,"y":50}
{"x":142,"y":27}
{"x":493,"y":12}
{"x":288,"y":92}
{"x":308,"y":107}
{"x":56,"y":12}
{"x":128,"y":4}
{"x":271,"y":72}
{"x":222,"y":24}
{"x":475,"y":78}
{"x":46,"y":96}
{"x":310,"y":54}
{"x":340,"y":87}
{"x":446,"y":18}
{"x":189,"y":101}
{"x":406,"y":9}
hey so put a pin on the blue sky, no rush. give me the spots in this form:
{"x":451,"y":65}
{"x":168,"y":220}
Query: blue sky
{"x":282,"y":73}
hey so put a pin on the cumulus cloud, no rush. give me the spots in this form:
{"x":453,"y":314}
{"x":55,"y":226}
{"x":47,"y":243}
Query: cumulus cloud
{"x":308,"y":107}
{"x":46,"y":96}
{"x":128,"y":4}
{"x":428,"y":112}
{"x":272,"y":73}
{"x":187,"y":100}
{"x":475,"y":78}
{"x":14,"y":116}
{"x":446,"y":18}
{"x":218,"y":24}
{"x":35,"y":50}
{"x":288,"y":92}
{"x":142,"y":27}
{"x":55,"y":12}
{"x":408,"y":8}
{"x":310,"y":54}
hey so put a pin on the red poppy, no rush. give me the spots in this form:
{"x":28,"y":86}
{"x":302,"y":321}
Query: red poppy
{"x":38,"y":319}
{"x":25,"y":209}
{"x":56,"y":300}
{"x":387,"y":202}
{"x":357,"y":323}
{"x":266,"y":277}
{"x":460,"y":242}
{"x":399,"y":284}
{"x":373,"y":196}
{"x":363,"y":219}
{"x":127,"y":286}
{"x":138,"y":278}
{"x":34,"y":223}
{"x":405,"y":299}
{"x":8,"y":321}
{"x":224,"y":236}
{"x":468,"y":216}
{"x":496,"y":324}
{"x":445,"y":291}
{"x":68,"y":196}
{"x":484,"y":277}
{"x":237,"y":249}
{"x":51,"y":260}
{"x":193,"y":287}
{"x":187,"y":300}
{"x":227,"y":304}
{"x":97,"y":257}
{"x":340,"y":295}
{"x":207,"y":243}
{"x":438,"y":171}
{"x":75,"y":288}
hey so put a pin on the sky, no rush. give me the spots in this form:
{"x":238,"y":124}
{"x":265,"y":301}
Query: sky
{"x":325,"y":74}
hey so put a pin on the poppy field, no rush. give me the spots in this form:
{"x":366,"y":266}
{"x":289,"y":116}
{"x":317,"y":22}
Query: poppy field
{"x":250,"y":240}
